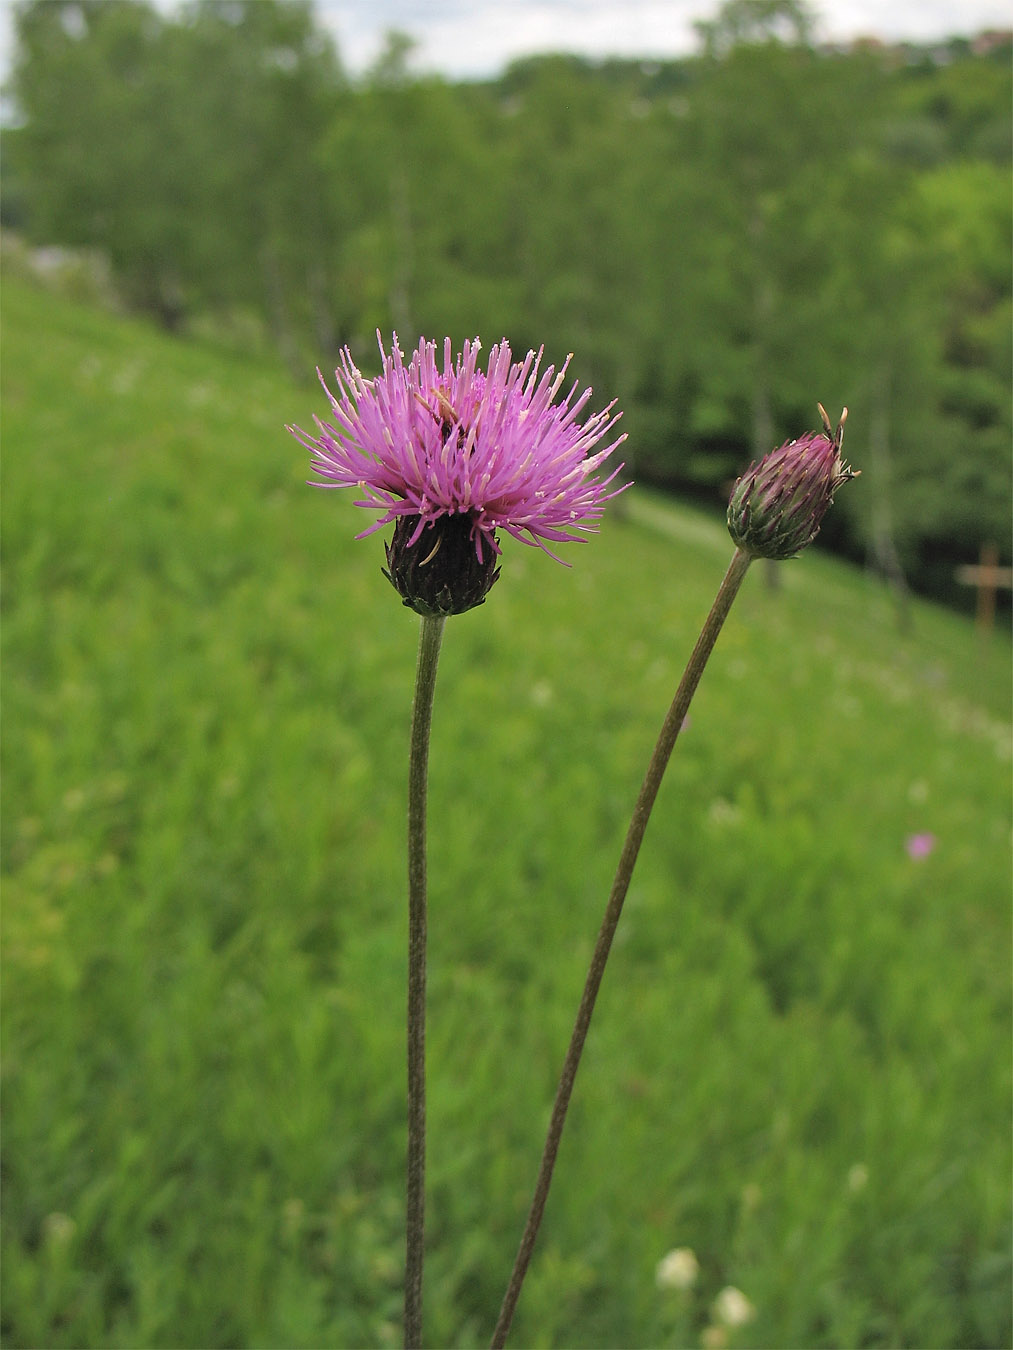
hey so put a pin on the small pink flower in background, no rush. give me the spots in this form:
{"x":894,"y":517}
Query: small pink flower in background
{"x":919,"y":846}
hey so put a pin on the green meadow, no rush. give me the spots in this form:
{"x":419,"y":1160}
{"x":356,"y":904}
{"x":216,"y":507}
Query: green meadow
{"x":799,"y":1065}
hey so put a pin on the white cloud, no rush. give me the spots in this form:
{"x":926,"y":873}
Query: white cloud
{"x":462,"y":39}
{"x":920,"y":20}
{"x":475,"y":38}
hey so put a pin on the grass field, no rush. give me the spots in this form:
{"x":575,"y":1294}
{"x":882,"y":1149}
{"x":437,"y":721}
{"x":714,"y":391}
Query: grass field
{"x":800,"y":1061}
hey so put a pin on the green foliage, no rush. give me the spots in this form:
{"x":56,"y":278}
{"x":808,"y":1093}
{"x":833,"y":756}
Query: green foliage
{"x":799,"y":1065}
{"x":847,"y":240}
{"x":185,"y":149}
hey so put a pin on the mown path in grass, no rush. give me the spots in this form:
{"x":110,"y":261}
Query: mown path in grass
{"x":799,"y":1066}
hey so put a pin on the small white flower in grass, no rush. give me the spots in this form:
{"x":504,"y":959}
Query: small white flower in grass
{"x":733,"y":1308}
{"x":858,"y":1177}
{"x":58,"y":1228}
{"x":677,"y":1270}
{"x":541,"y":694}
{"x":724,"y":813}
{"x":751,"y":1197}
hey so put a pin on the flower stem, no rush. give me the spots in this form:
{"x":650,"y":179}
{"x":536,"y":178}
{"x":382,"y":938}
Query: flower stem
{"x":430,"y":637}
{"x":638,"y":824}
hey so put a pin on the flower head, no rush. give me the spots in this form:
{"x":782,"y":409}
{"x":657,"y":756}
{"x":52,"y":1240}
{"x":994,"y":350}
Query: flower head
{"x":919,"y":846}
{"x":733,"y":1308}
{"x":677,"y":1270}
{"x":778,"y":504}
{"x":449,"y":452}
{"x":858,"y":1177}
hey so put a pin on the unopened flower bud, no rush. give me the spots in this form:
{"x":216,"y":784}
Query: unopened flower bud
{"x":778,"y":504}
{"x":435,"y":567}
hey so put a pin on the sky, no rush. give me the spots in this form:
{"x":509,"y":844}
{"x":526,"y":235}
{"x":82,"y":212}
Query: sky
{"x":469,"y":39}
{"x":475,"y":38}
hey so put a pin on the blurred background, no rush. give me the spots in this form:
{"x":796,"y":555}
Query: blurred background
{"x":721,"y":238}
{"x":800,"y":1064}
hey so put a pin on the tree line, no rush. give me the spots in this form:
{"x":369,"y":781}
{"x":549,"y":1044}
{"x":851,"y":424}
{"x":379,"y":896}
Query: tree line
{"x":720,"y":240}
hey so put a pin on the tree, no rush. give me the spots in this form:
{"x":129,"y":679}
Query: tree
{"x":742,"y":23}
{"x":88,"y":83}
{"x":182,"y":148}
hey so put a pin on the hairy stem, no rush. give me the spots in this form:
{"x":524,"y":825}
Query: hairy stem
{"x":638,"y":824}
{"x":430,"y":637}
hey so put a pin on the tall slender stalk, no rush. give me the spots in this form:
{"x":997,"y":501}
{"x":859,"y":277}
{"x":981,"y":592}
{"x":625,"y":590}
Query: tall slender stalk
{"x":430,"y":637}
{"x":641,"y":814}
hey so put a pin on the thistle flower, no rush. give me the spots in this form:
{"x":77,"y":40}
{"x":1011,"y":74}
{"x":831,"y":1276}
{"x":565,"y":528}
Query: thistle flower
{"x":451,"y":455}
{"x":778,"y":504}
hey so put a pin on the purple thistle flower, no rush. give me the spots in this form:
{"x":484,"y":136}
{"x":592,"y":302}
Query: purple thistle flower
{"x":778,"y":504}
{"x":453,"y":454}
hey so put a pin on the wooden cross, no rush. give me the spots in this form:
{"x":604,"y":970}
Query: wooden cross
{"x":988,"y":577}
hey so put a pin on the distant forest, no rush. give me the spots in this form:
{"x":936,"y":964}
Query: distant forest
{"x":720,"y":240}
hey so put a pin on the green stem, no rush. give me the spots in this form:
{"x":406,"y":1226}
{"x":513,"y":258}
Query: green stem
{"x":638,"y":824}
{"x":430,"y":637}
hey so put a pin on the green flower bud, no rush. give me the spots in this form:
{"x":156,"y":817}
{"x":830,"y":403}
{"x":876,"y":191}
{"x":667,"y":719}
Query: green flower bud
{"x":778,"y":504}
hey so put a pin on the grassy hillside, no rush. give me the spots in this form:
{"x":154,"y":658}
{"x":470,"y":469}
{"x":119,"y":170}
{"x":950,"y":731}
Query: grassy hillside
{"x":800,"y":1061}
